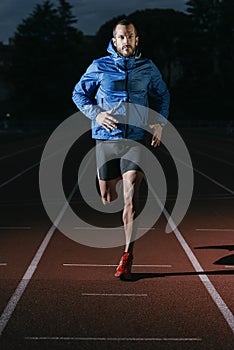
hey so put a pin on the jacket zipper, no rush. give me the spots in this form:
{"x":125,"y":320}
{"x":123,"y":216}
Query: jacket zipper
{"x":127,"y":109}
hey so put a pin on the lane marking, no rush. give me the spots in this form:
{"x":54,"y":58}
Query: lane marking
{"x":229,"y":266}
{"x":215,"y":229}
{"x":115,"y":339}
{"x":26,"y":170}
{"x":214,"y":181}
{"x":19,"y":174}
{"x":110,"y":228}
{"x":219,"y":302}
{"x":212,"y":157}
{"x":114,"y":295}
{"x":15,"y":228}
{"x":206,"y":176}
{"x":213,"y":196}
{"x":15,"y":298}
{"x":20,"y":151}
{"x":3,"y":264}
{"x":110,"y":265}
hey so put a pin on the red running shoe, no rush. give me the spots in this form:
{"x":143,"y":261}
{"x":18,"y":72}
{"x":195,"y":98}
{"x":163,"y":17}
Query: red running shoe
{"x":124,"y":267}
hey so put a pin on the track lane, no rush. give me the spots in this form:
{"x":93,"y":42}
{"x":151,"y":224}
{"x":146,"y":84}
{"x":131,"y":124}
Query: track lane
{"x":179,"y":282}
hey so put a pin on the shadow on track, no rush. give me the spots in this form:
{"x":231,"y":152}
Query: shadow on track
{"x":225,"y":247}
{"x":226,"y":260}
{"x":139,"y":276}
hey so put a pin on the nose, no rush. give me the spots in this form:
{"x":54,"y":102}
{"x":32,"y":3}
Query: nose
{"x":125,"y":39}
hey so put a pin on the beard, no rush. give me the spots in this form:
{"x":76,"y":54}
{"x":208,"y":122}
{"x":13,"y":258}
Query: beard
{"x":126,"y":50}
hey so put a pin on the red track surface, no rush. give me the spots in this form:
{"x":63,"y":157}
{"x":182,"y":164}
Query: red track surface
{"x":166,"y":306}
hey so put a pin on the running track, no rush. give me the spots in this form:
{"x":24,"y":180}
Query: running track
{"x":58,"y":294}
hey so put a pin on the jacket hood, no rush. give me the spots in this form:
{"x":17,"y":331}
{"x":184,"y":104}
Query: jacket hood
{"x":111,"y":48}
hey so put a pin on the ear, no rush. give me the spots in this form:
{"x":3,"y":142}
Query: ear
{"x":114,"y":41}
{"x":137,"y":40}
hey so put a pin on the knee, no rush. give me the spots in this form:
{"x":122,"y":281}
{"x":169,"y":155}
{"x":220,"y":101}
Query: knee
{"x":104,"y":198}
{"x":108,"y":197}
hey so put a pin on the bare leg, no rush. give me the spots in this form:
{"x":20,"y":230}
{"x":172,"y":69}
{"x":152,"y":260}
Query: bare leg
{"x":131,"y":184}
{"x":108,"y":190}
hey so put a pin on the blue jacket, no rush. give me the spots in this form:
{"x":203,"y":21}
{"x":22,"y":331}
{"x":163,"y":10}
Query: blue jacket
{"x":124,"y":83}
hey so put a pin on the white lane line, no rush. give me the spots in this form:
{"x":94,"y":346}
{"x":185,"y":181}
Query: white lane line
{"x":20,"y":151}
{"x":110,"y":265}
{"x":3,"y":264}
{"x":207,"y":177}
{"x":10,"y":307}
{"x":113,"y":295}
{"x":15,"y":298}
{"x":214,"y":181}
{"x":215,"y":229}
{"x":19,"y":174}
{"x":15,"y":228}
{"x":116,"y":339}
{"x":219,"y":302}
{"x":110,"y":228}
{"x":26,"y":170}
{"x":212,"y":157}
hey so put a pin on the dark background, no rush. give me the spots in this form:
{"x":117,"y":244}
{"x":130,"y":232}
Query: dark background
{"x":47,"y":55}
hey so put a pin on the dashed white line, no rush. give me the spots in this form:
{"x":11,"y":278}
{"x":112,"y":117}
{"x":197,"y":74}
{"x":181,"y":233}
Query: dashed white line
{"x":25,"y":171}
{"x":19,"y":174}
{"x":15,"y":228}
{"x":219,"y":302}
{"x":208,"y":177}
{"x":114,"y":295}
{"x":15,"y":298}
{"x":20,"y":151}
{"x":110,"y":228}
{"x":212,"y":157}
{"x":214,"y":181}
{"x":110,"y":265}
{"x":215,"y":229}
{"x":3,"y":264}
{"x":10,"y":307}
{"x":116,"y":339}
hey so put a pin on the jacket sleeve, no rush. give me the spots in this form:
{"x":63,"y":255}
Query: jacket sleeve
{"x":84,"y":92}
{"x":159,"y":94}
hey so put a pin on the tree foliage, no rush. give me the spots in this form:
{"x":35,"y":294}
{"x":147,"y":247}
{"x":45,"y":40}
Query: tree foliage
{"x":194,"y":51}
{"x":210,"y":64}
{"x":45,"y":57}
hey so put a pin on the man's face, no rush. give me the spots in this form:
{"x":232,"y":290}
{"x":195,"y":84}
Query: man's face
{"x":125,"y":40}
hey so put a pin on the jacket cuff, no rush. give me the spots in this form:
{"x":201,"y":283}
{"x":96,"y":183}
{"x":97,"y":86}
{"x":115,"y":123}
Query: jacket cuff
{"x":91,"y":111}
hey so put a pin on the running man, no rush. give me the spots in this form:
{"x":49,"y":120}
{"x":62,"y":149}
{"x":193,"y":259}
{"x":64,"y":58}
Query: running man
{"x":105,"y":94}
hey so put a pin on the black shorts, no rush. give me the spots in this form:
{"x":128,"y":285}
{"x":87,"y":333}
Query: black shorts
{"x":116,"y":157}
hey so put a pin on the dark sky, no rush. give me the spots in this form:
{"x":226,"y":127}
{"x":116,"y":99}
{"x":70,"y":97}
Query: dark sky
{"x":91,"y":14}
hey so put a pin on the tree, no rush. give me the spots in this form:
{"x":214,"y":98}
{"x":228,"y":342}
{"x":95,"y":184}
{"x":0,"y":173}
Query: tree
{"x":46,"y":49}
{"x":213,"y":39}
{"x":206,"y":17}
{"x":160,"y":39}
{"x":66,"y":17}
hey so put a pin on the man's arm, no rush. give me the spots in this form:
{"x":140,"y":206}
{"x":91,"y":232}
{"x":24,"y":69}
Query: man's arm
{"x":159,"y":93}
{"x":157,"y":134}
{"x":161,"y":101}
{"x":84,"y":92}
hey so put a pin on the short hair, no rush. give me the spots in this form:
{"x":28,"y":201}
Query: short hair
{"x":124,"y":22}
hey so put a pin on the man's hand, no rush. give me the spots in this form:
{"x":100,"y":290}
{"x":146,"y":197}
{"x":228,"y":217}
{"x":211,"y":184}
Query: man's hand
{"x":106,"y":120}
{"x":157,"y":134}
